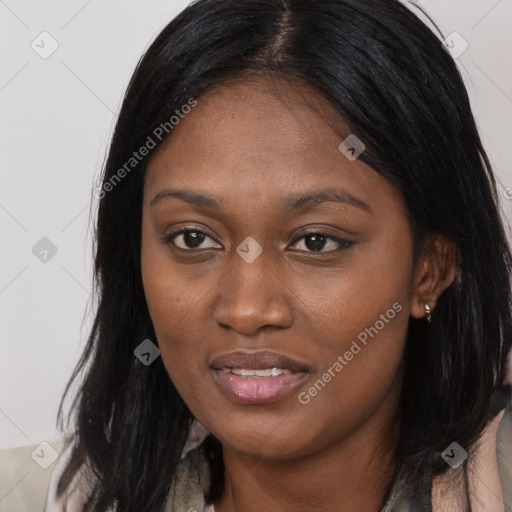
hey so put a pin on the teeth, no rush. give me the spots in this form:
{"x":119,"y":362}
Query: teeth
{"x":269,"y":372}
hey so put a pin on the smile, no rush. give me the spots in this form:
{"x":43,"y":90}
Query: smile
{"x":257,"y":377}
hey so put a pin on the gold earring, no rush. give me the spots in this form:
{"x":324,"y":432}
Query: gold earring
{"x":427,"y":311}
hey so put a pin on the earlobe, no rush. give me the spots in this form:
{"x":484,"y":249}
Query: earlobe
{"x":422,"y":288}
{"x":422,"y":307}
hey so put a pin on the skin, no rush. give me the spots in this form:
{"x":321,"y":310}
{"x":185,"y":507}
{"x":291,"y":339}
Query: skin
{"x":251,"y":143}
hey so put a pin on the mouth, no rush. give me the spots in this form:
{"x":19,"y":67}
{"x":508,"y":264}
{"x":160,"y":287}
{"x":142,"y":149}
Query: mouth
{"x":257,"y":377}
{"x":268,"y":372}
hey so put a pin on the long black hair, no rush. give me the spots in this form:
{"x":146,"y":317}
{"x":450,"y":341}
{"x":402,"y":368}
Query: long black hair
{"x":399,"y":91}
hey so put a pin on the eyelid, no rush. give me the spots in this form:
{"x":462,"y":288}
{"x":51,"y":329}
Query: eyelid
{"x":169,"y":239}
{"x":319,"y":231}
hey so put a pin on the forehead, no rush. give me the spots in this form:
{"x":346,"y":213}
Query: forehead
{"x":261,"y":138}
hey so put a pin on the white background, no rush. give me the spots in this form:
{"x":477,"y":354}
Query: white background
{"x":57,"y":115}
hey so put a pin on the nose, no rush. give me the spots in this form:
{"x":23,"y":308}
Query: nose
{"x":253,"y":297}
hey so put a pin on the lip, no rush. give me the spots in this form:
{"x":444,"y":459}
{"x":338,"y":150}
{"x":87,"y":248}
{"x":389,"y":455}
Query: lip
{"x":258,"y":361}
{"x":257,"y":390}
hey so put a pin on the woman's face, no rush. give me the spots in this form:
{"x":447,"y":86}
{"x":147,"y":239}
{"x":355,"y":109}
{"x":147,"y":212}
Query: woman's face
{"x":257,"y":283}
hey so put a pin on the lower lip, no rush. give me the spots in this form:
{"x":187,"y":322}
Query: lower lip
{"x":257,"y":390}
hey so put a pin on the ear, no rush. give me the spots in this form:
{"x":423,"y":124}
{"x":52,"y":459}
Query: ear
{"x":434,"y":272}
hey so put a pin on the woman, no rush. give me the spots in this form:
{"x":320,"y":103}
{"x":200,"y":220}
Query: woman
{"x":299,"y":248}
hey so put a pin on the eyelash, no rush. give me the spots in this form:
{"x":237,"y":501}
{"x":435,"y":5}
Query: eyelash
{"x":344,"y":244}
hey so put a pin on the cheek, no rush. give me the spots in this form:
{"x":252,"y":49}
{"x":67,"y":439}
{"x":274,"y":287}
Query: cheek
{"x":173,"y":315}
{"x":169,"y":301}
{"x":346,"y":300}
{"x":178,"y":298}
{"x":358,"y":318}
{"x":169,"y":289}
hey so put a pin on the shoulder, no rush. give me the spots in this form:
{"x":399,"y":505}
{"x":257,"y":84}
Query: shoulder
{"x":25,"y":474}
{"x":490,"y":477}
{"x":504,"y":455}
{"x":490,"y":470}
{"x":75,"y":496}
{"x":190,"y":483}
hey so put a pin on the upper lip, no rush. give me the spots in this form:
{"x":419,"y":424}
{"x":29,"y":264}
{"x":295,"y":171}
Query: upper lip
{"x":260,"y":360}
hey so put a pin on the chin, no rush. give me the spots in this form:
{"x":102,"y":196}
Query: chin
{"x":255,"y":443}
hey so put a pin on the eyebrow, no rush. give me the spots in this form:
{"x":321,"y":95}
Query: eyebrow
{"x":290,"y":203}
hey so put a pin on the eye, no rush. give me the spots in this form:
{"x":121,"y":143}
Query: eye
{"x":190,"y":238}
{"x":315,"y":241}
